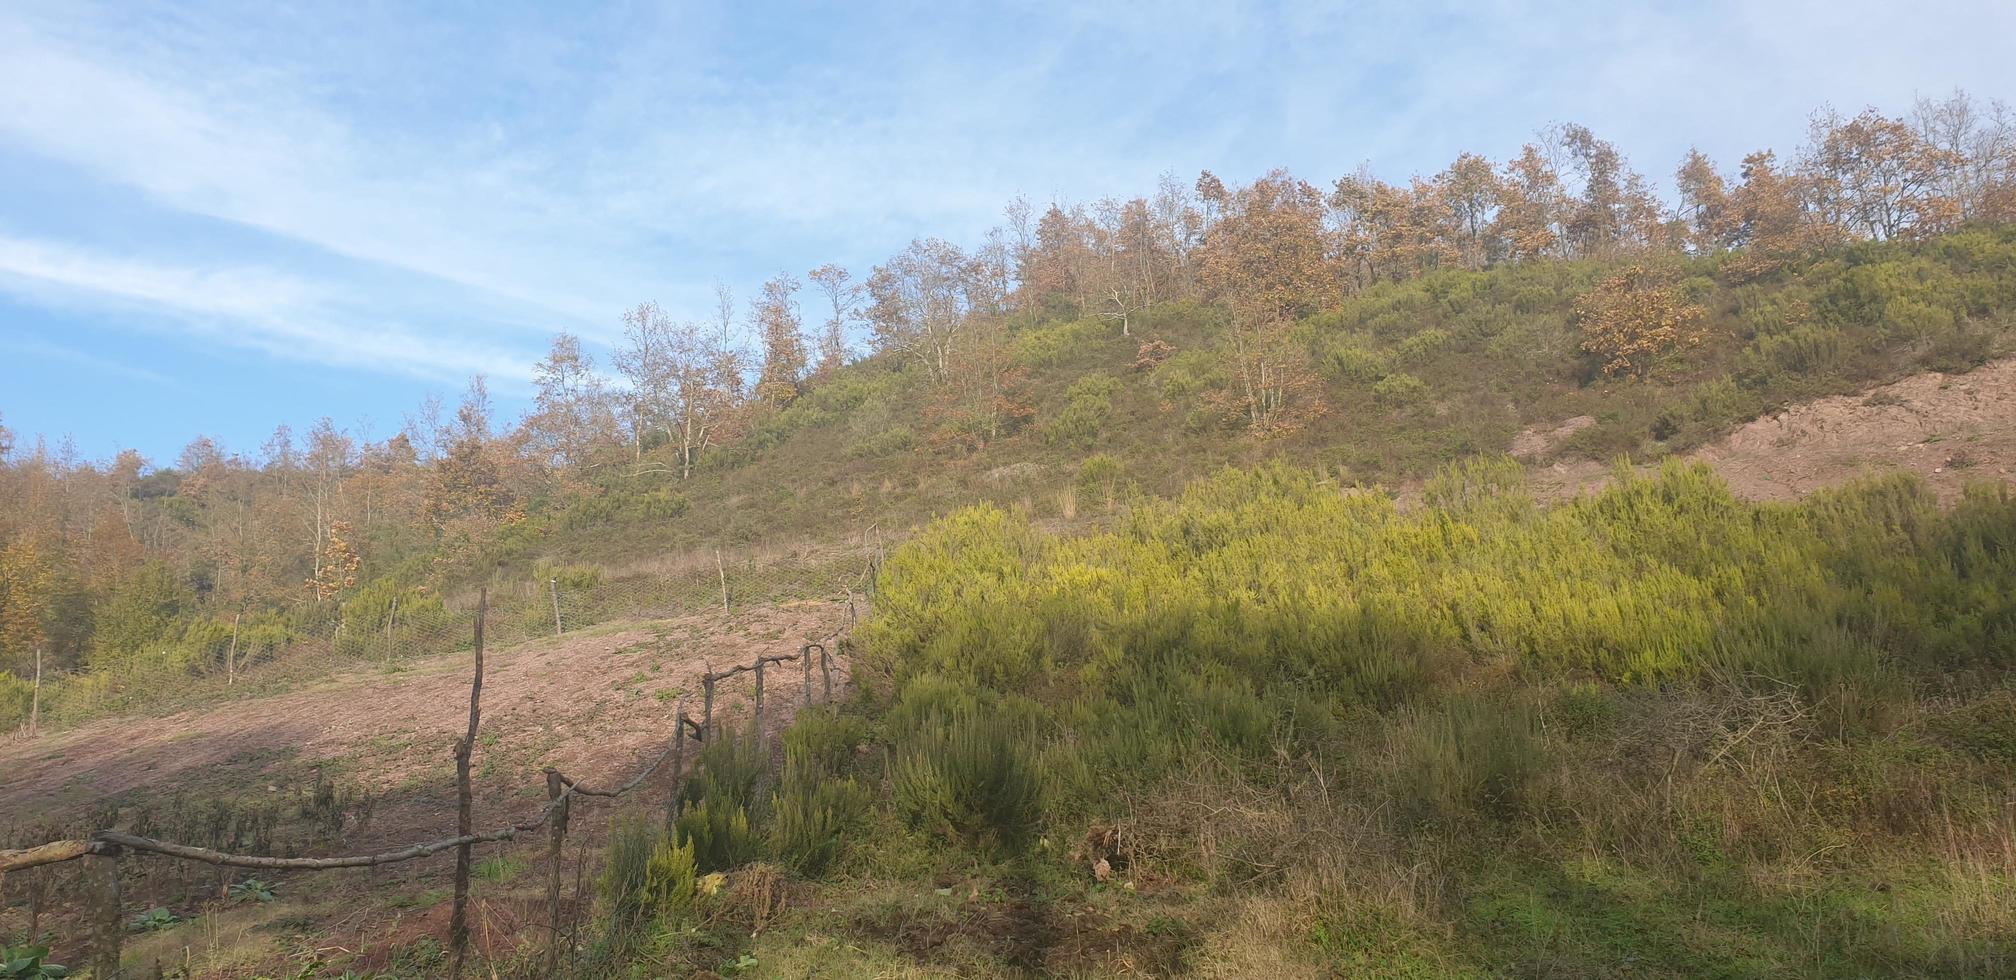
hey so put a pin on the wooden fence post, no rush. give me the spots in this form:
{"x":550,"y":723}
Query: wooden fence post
{"x":35,"y":705}
{"x":707,"y":708}
{"x":722,"y":570}
{"x":106,"y":927}
{"x":391,"y":618}
{"x":826,"y":670}
{"x":458,"y":922}
{"x":556,"y":839}
{"x":759,"y":703}
{"x":231,"y":655}
{"x":556,"y":605}
{"x":805,"y":656}
{"x":678,"y":761}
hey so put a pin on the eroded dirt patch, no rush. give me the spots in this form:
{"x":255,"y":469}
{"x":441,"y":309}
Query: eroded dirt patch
{"x":593,"y":704}
{"x":1951,"y":430}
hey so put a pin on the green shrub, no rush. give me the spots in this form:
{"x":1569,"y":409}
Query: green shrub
{"x":1087,"y":403}
{"x":1587,"y":709}
{"x":1985,"y":728}
{"x":809,"y":814}
{"x":1476,"y":485}
{"x":1400,"y":390}
{"x":571,"y":578}
{"x":1471,"y":756}
{"x":726,"y":772}
{"x":1423,"y":346}
{"x":1190,"y":374}
{"x":888,"y":442}
{"x":1052,"y":345}
{"x":717,"y":834}
{"x":1100,"y":477}
{"x":645,"y":876}
{"x":825,"y":739}
{"x":16,"y":695}
{"x":1349,"y":362}
{"x":970,"y":778}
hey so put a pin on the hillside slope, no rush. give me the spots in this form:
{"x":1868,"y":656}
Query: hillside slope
{"x":1948,"y":430}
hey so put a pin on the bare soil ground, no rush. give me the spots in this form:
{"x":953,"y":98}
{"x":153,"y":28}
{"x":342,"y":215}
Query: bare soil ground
{"x":1951,"y":430}
{"x":595,"y":704}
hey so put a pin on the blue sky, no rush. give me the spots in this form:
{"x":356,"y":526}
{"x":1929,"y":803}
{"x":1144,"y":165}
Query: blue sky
{"x":216,"y":217}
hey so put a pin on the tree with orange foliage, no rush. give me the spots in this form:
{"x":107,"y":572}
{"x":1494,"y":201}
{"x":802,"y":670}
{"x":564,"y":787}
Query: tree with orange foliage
{"x":1711,"y":218}
{"x":1267,"y":260}
{"x":1528,"y":222}
{"x":1635,"y":318}
{"x":1879,"y":176}
{"x":774,"y":314}
{"x":1468,"y":194}
{"x":337,"y":569}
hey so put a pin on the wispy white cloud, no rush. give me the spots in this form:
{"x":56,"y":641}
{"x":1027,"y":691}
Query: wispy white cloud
{"x":101,"y":366}
{"x":246,"y":307}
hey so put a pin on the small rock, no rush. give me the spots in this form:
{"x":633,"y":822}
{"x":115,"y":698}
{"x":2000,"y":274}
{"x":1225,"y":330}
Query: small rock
{"x":1101,"y":870}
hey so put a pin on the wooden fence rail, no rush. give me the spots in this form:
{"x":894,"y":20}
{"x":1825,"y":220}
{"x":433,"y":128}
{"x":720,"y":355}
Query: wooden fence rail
{"x":108,"y":847}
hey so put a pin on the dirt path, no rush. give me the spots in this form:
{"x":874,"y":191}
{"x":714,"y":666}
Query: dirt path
{"x":1951,"y":430}
{"x":593,"y":704}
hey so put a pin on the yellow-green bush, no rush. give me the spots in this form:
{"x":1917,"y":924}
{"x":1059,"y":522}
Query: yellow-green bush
{"x":1260,"y":607}
{"x":970,"y":778}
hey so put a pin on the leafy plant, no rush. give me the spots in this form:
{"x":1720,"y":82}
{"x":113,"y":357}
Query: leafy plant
{"x":29,"y":963}
{"x":154,"y":920}
{"x":252,"y":889}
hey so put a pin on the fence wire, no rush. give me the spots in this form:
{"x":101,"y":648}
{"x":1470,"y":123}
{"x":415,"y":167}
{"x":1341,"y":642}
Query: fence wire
{"x":391,"y":626}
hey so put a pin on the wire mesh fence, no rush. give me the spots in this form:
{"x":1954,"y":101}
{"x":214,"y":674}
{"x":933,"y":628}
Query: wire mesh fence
{"x":385,"y":624}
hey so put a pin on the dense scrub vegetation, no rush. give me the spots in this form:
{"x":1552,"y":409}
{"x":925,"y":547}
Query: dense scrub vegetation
{"x":1274,"y":725}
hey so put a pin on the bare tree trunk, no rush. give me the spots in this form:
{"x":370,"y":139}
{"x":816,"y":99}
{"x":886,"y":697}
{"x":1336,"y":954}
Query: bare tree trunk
{"x":458,"y":923}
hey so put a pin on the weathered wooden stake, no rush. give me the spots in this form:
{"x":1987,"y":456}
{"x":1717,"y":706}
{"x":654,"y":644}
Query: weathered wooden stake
{"x":555,"y":840}
{"x":106,"y":927}
{"x":678,"y":760}
{"x":805,"y":661}
{"x":391,"y":618}
{"x":458,"y":923}
{"x":231,"y":654}
{"x":35,"y":704}
{"x":707,"y":709}
{"x":556,"y":606}
{"x":826,"y":670}
{"x":759,"y":703}
{"x":722,"y":570}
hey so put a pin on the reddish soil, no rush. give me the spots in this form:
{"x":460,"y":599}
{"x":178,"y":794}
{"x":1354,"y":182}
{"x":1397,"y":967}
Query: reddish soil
{"x":596,"y":705}
{"x":1951,"y":430}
